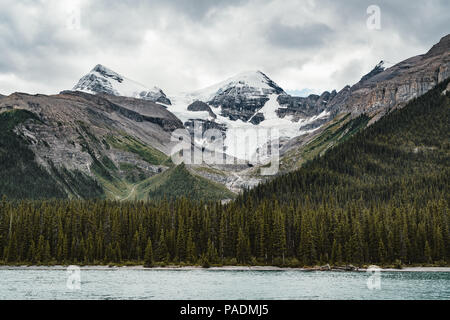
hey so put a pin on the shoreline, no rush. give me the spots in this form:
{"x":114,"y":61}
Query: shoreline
{"x":223,"y":268}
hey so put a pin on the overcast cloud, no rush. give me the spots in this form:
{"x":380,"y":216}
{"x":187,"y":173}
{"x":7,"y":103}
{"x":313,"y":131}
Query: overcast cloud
{"x":186,"y":45}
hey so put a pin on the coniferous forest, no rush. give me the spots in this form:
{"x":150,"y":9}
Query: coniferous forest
{"x":380,"y":197}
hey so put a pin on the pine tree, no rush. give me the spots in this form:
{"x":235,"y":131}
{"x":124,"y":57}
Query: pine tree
{"x":191,"y":252}
{"x":243,"y":248}
{"x":148,"y":260}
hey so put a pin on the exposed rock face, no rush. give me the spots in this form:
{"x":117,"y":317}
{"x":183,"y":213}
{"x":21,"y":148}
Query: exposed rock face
{"x":385,"y":90}
{"x":303,"y":107}
{"x":201,"y":106}
{"x":253,"y":98}
{"x":104,"y":80}
{"x":257,"y":118}
{"x":205,"y":125}
{"x":202,"y":126}
{"x":379,"y":91}
{"x":245,"y":101}
{"x":149,"y":111}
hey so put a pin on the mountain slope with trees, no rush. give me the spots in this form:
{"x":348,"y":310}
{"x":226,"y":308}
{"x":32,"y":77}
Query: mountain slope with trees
{"x":379,"y":197}
{"x":405,"y":155}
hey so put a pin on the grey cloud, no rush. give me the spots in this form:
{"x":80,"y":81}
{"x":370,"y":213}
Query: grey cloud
{"x":352,"y":70}
{"x":194,"y":9}
{"x":199,"y":8}
{"x":299,"y":37}
{"x":418,"y":21}
{"x":199,"y":41}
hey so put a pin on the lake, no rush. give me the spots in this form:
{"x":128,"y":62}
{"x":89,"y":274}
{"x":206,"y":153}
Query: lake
{"x":205,"y":284}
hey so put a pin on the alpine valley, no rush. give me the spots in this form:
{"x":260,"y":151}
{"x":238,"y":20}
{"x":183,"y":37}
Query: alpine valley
{"x":110,"y":137}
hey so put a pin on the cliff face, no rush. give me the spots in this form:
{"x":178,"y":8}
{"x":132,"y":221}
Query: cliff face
{"x":395,"y":86}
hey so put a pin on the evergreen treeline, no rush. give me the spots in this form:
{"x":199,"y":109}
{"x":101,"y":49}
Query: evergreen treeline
{"x":97,"y":232}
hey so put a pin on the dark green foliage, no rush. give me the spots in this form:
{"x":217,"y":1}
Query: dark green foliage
{"x":100,"y":169}
{"x":179,"y":182}
{"x":133,"y":174}
{"x":147,"y":153}
{"x":148,"y":256}
{"x":107,"y":162}
{"x":78,"y":184}
{"x":102,"y":232}
{"x":336,"y":132}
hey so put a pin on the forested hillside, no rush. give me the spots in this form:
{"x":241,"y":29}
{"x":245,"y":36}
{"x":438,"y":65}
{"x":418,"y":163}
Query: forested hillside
{"x":178,"y":182}
{"x":379,"y":197}
{"x":405,"y":157}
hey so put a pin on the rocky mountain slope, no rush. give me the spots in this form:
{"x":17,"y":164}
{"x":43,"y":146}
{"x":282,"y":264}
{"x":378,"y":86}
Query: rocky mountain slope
{"x":389,"y":89}
{"x":113,"y":140}
{"x":379,"y":92}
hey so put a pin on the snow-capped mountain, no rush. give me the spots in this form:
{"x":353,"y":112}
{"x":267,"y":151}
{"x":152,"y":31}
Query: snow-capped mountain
{"x":104,"y":80}
{"x":249,"y":100}
{"x":240,"y":97}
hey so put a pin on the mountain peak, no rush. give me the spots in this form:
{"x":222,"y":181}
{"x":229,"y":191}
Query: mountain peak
{"x":254,"y":78}
{"x":102,"y":79}
{"x":103,"y":69}
{"x":439,"y":48}
{"x":378,"y":69}
{"x":107,"y":72}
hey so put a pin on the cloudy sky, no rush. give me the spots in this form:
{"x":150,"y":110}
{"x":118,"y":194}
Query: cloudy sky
{"x":183,"y":45}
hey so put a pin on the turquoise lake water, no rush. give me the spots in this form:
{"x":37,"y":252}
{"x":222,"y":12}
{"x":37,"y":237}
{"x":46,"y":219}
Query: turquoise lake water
{"x":122,"y":283}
